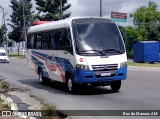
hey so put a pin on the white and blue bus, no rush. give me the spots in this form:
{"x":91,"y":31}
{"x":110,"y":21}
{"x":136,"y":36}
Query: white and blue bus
{"x":76,"y":51}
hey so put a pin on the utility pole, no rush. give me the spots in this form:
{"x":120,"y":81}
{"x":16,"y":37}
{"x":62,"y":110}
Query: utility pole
{"x":61,"y":12}
{"x":24,"y":25}
{"x":100,"y":8}
{"x":4,"y":26}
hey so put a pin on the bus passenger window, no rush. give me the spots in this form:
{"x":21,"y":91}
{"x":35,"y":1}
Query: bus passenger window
{"x":35,"y":41}
{"x":39,"y":41}
{"x":67,"y":41}
{"x":53,"y":40}
{"x":31,"y":41}
{"x":28,"y":41}
{"x":60,"y":40}
{"x":45,"y":40}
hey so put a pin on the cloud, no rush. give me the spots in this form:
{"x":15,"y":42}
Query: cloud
{"x":92,"y":7}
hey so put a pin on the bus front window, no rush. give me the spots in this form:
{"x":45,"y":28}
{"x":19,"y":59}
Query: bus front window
{"x":98,"y":39}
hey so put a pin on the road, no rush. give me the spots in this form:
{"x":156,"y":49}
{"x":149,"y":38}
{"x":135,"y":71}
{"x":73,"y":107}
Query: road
{"x":139,"y":92}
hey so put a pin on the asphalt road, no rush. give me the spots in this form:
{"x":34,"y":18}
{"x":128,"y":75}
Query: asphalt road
{"x":139,"y":92}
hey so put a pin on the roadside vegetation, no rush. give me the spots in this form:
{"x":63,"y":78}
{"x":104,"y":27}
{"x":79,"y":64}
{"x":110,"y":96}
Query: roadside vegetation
{"x":157,"y":64}
{"x":19,"y":56}
{"x":3,"y":106}
{"x":146,"y":26}
{"x":49,"y":111}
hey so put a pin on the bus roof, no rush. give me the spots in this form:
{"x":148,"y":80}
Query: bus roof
{"x":56,"y":24}
{"x":40,"y":22}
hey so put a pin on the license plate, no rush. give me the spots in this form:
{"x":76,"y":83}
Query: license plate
{"x":106,"y":74}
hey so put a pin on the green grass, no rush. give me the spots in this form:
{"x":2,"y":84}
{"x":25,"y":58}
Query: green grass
{"x":3,"y":106}
{"x":144,"y":64}
{"x":19,"y":56}
{"x":49,"y":109}
{"x":3,"y":85}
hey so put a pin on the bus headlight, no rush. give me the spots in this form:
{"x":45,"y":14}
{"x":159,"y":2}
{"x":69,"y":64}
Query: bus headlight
{"x":124,"y":64}
{"x":81,"y":66}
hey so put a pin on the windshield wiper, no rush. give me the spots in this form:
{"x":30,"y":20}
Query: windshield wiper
{"x":93,"y":50}
{"x":114,"y":50}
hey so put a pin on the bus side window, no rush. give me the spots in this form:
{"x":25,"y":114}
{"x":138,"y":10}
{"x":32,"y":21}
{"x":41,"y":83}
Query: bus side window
{"x":35,"y":41}
{"x":60,"y":40}
{"x":30,"y":41}
{"x":45,"y":40}
{"x":67,"y":41}
{"x":53,"y":40}
{"x":39,"y":41}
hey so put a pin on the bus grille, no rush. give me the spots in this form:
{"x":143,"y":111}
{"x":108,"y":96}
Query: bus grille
{"x":105,"y":67}
{"x":98,"y":69}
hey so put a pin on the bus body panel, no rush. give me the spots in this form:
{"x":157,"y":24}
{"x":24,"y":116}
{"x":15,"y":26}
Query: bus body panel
{"x":56,"y":63}
{"x":53,"y":66}
{"x":86,"y":76}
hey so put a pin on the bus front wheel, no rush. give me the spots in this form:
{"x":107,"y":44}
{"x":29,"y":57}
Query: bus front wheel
{"x":115,"y":85}
{"x":70,"y":85}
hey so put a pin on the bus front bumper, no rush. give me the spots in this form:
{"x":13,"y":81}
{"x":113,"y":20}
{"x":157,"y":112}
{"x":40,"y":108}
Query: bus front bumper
{"x":89,"y":76}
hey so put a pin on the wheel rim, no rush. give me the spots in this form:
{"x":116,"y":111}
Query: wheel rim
{"x":40,"y":76}
{"x":69,"y":84}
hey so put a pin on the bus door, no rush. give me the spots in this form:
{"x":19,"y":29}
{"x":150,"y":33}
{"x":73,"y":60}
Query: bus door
{"x":64,"y":53}
{"x":51,"y":60}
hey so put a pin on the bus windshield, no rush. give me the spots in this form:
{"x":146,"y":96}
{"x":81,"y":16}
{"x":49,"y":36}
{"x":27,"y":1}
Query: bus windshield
{"x":98,"y":38}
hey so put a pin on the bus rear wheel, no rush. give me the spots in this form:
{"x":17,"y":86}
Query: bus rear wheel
{"x":115,"y":85}
{"x":43,"y":79}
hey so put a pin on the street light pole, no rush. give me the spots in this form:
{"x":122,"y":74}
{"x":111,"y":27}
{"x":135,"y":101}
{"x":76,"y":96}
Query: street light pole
{"x":100,"y":8}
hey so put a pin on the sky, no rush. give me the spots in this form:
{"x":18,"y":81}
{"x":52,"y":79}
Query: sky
{"x":91,"y":7}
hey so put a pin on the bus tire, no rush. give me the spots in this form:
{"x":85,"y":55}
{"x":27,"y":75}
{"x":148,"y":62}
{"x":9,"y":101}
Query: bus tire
{"x":115,"y":85}
{"x":43,"y":79}
{"x":71,"y":86}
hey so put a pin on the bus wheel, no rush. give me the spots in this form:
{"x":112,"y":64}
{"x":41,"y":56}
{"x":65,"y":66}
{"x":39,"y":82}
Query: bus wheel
{"x":42,"y":79}
{"x":70,"y":85}
{"x":115,"y":85}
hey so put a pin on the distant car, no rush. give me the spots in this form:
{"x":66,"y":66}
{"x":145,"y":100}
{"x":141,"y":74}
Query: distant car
{"x":3,"y":56}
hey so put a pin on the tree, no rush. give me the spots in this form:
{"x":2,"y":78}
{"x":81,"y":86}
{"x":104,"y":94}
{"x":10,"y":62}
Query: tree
{"x":51,"y":9}
{"x":147,"y":19}
{"x":132,"y":35}
{"x":21,"y":16}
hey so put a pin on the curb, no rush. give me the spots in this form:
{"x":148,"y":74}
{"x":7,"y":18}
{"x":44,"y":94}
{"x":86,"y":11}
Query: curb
{"x":7,"y":100}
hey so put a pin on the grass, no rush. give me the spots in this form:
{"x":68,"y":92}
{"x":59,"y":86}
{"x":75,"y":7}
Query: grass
{"x":19,"y":56}
{"x":4,"y":106}
{"x":3,"y":85}
{"x":50,"y":110}
{"x":144,"y":64}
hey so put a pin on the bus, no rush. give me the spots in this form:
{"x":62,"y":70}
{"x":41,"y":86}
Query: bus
{"x":78,"y":51}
